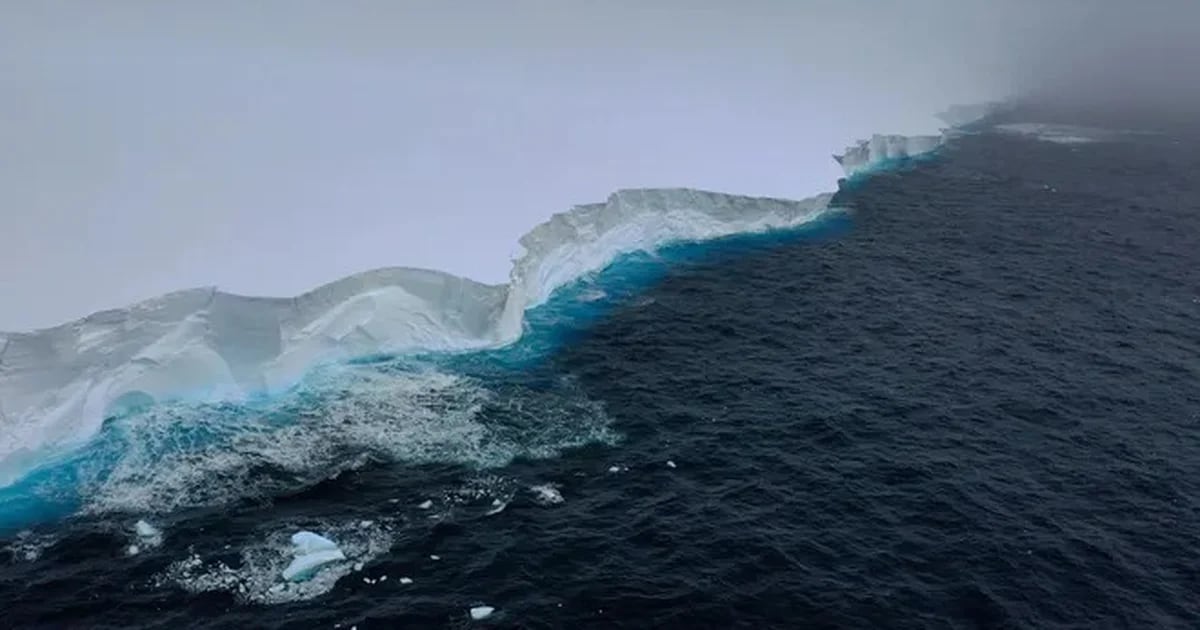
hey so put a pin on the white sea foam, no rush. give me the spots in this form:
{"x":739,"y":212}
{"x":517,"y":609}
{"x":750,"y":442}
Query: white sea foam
{"x":1059,"y":134}
{"x":1067,"y":134}
{"x":27,"y":546}
{"x":546,"y":494}
{"x":419,"y":416}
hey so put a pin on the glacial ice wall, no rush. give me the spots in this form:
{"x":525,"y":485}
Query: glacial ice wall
{"x":880,"y":150}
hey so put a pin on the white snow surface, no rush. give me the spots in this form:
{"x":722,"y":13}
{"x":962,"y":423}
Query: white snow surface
{"x":479,"y":613}
{"x":58,"y":384}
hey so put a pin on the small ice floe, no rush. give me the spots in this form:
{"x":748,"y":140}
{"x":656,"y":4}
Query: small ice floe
{"x":426,"y":504}
{"x":365,"y":524}
{"x":406,"y":580}
{"x":614,"y":469}
{"x":479,"y":613}
{"x":435,"y":557}
{"x":358,"y":566}
{"x":546,"y":494}
{"x":497,"y":507}
{"x":670,"y":463}
{"x":147,"y":536}
{"x":312,"y":552}
{"x":383,"y":578}
{"x":146,"y":530}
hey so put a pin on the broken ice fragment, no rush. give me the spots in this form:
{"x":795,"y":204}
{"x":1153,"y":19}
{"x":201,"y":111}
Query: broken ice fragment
{"x":546,"y":494}
{"x":312,"y":552}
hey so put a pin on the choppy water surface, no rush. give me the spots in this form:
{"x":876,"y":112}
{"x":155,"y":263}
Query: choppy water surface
{"x":971,"y":400}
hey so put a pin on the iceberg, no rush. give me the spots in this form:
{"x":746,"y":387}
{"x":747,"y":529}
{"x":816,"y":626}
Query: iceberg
{"x":146,"y":530}
{"x":58,"y":385}
{"x":882,"y":150}
{"x":312,"y":552}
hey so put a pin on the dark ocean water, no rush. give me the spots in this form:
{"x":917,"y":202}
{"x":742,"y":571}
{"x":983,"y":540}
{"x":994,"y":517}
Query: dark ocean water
{"x":970,"y":401}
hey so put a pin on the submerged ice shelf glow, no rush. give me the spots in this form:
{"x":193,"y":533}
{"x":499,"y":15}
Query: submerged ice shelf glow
{"x":58,"y":385}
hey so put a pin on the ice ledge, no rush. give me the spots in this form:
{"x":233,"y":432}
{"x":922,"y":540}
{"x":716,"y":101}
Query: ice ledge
{"x":884,"y":150}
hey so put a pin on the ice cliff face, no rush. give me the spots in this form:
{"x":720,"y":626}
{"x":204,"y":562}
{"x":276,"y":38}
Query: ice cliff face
{"x":881,"y":150}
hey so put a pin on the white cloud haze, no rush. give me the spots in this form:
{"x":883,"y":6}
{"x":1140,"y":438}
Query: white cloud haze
{"x":269,"y":147}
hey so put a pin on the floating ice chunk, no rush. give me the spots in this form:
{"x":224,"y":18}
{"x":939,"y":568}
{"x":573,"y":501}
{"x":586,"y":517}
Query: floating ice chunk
{"x":546,"y":494}
{"x":426,"y":505}
{"x":614,"y":469}
{"x":312,"y":552}
{"x":146,"y":530}
{"x":147,"y":536}
{"x":670,"y":463}
{"x":305,"y":566}
{"x":479,"y":613}
{"x":132,"y":550}
{"x":358,"y":566}
{"x":383,"y":578}
{"x":497,"y":507}
{"x":435,"y":557}
{"x":305,"y":542}
{"x":406,"y":580}
{"x":366,"y":523}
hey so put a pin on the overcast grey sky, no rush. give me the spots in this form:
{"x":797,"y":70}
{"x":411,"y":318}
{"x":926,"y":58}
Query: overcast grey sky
{"x":267,"y":147}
